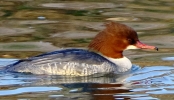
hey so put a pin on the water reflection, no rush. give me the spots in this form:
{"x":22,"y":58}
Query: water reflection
{"x":108,"y":91}
{"x":28,"y":89}
{"x":168,"y":58}
{"x":137,"y":85}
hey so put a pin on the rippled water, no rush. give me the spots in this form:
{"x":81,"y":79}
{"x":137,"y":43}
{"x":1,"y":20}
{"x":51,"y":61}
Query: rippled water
{"x":31,"y":27}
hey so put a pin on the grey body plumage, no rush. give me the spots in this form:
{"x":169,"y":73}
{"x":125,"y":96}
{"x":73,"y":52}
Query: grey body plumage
{"x":76,"y":62}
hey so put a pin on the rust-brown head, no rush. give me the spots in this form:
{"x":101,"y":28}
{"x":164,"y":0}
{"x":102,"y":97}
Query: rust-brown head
{"x":116,"y":38}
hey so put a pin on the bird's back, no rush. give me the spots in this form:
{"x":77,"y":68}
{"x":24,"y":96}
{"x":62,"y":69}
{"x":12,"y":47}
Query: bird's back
{"x":77,"y":62}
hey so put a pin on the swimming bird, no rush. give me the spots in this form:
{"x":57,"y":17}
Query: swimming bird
{"x":104,"y":55}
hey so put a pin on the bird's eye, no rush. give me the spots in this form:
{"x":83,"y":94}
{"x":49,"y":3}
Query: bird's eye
{"x":131,"y":41}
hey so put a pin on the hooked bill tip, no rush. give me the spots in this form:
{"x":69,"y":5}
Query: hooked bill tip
{"x":156,"y":48}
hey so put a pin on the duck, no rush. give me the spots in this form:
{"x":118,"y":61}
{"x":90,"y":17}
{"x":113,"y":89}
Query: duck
{"x":104,"y":55}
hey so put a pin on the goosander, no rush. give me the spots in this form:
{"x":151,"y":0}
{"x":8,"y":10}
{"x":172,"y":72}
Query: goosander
{"x":104,"y":55}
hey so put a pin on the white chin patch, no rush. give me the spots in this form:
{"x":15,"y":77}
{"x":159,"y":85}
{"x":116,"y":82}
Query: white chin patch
{"x":131,"y":47}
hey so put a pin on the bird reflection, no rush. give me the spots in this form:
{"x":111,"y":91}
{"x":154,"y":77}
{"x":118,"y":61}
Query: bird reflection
{"x":108,"y":91}
{"x":97,"y":87}
{"x":100,"y":88}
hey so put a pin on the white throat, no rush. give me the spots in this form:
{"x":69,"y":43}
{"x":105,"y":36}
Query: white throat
{"x":131,"y":47}
{"x":122,"y":64}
